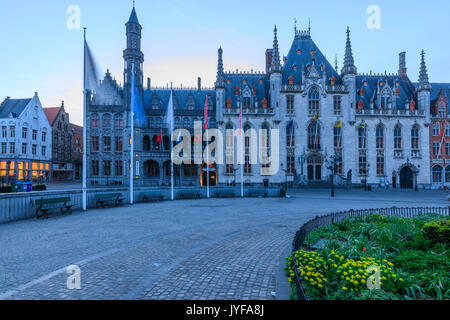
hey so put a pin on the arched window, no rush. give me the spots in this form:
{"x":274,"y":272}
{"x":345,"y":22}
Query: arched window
{"x":166,"y":143}
{"x":152,"y":169}
{"x":95,"y":120}
{"x":290,"y":135}
{"x":415,"y":138}
{"x":337,"y":137}
{"x":398,"y":138}
{"x":247,"y":138}
{"x":314,"y":102}
{"x":186,"y":122}
{"x":314,"y":136}
{"x":380,"y":137}
{"x":265,"y":148}
{"x":106,"y":121}
{"x":146,"y":143}
{"x":447,"y":174}
{"x":229,"y":149}
{"x":362,"y":138}
{"x":118,"y":121}
{"x":437,"y":174}
{"x":156,"y":145}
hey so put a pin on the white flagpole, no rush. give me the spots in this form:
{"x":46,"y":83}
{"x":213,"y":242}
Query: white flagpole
{"x":242,"y":156}
{"x":207,"y":149}
{"x":172,"y":191}
{"x":133,"y":98}
{"x":84,"y":184}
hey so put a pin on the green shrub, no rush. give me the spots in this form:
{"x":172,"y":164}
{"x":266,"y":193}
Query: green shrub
{"x":376,"y":295}
{"x":438,"y":231}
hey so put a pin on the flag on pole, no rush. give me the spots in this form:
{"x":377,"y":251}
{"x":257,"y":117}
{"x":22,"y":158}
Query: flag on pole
{"x":170,"y":126}
{"x":92,"y":74}
{"x":159,"y":138}
{"x":338,"y":124}
{"x":91,"y":78}
{"x":207,"y":146}
{"x":206,"y":114}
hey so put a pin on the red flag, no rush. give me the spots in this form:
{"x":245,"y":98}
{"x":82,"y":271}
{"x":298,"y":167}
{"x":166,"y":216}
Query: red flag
{"x":159,"y":139}
{"x":206,"y":113}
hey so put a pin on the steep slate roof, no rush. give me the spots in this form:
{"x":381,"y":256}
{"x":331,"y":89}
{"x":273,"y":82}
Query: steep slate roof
{"x":51,"y":114}
{"x":406,"y":94}
{"x":305,"y":44}
{"x":76,"y":128}
{"x":14,"y":106}
{"x":133,"y":17}
{"x":234,"y":81}
{"x":181,"y":96}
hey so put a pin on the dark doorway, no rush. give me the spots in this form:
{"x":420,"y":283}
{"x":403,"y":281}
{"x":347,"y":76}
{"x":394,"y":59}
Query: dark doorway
{"x":310,"y":172}
{"x":406,"y":178}
{"x":318,"y":173}
{"x":394,"y":181}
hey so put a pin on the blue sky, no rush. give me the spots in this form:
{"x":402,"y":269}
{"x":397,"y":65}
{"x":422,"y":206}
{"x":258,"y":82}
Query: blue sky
{"x":181,"y":38}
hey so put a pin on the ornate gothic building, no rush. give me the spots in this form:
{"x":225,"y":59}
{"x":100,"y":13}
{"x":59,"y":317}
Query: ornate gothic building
{"x":372,"y":128}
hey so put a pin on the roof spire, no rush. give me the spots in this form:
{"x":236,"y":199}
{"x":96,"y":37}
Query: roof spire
{"x":220,"y":82}
{"x":424,"y":83}
{"x":349,"y":62}
{"x":133,"y":16}
{"x":276,"y":65}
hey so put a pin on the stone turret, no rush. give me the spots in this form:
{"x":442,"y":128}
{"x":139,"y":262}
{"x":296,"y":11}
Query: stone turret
{"x":275,"y":78}
{"x":349,"y":72}
{"x":424,"y":89}
{"x":220,"y":86}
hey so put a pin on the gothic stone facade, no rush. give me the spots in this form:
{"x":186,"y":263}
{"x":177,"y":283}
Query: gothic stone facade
{"x":376,"y":125}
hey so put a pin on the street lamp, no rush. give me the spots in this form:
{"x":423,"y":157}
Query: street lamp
{"x":332,"y":167}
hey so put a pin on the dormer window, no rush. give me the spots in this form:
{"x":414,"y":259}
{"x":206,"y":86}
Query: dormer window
{"x":291,"y":80}
{"x":294,"y":67}
{"x":246,"y":102}
{"x":385,"y":100}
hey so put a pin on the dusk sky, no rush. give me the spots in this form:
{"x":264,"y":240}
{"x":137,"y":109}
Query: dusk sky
{"x":180,"y":40}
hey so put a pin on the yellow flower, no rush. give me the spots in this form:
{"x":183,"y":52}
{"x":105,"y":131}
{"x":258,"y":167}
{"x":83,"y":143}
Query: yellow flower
{"x":344,"y":288}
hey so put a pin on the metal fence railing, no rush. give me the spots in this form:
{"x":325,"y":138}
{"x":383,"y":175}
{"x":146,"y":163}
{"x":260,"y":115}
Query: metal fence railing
{"x":340,"y":216}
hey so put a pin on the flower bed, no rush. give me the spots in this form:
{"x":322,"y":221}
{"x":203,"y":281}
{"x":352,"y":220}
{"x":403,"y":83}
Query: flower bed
{"x":404,"y":258}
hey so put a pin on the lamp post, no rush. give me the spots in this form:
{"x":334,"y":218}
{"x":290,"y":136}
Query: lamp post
{"x":332,"y":167}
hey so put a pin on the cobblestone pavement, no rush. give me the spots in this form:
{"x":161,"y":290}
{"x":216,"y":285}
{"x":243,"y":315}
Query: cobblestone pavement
{"x":200,"y":249}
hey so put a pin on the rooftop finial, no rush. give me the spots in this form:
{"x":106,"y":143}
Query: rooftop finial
{"x":295,"y":26}
{"x":220,"y":82}
{"x":424,"y":83}
{"x":276,"y":65}
{"x":349,"y":62}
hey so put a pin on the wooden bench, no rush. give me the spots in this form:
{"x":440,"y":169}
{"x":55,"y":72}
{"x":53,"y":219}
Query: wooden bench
{"x":152,"y":196}
{"x":225,"y":193}
{"x":114,"y":199}
{"x":43,"y":206}
{"x":190,"y":194}
{"x":260,"y":193}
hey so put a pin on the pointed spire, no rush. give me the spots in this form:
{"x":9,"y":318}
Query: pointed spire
{"x":220,"y":82}
{"x":424,"y":83}
{"x":133,"y":16}
{"x":349,"y":62}
{"x":276,"y":65}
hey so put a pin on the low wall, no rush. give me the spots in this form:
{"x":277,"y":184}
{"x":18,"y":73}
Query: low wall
{"x":20,"y":206}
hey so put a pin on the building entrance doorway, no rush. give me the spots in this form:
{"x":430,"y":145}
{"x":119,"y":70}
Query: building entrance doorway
{"x":212,"y":169}
{"x":315,"y":168}
{"x":406,"y":178}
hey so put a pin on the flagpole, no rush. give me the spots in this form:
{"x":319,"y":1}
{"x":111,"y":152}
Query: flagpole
{"x":207,"y":147}
{"x":242,"y":156}
{"x":132,"y":137}
{"x":172,"y":195}
{"x":84,"y":184}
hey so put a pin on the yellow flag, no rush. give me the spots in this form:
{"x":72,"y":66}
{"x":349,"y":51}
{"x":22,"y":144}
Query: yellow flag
{"x":338,"y":124}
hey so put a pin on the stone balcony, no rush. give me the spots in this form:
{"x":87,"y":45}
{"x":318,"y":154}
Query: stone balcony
{"x":391,"y":112}
{"x":250,"y":111}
